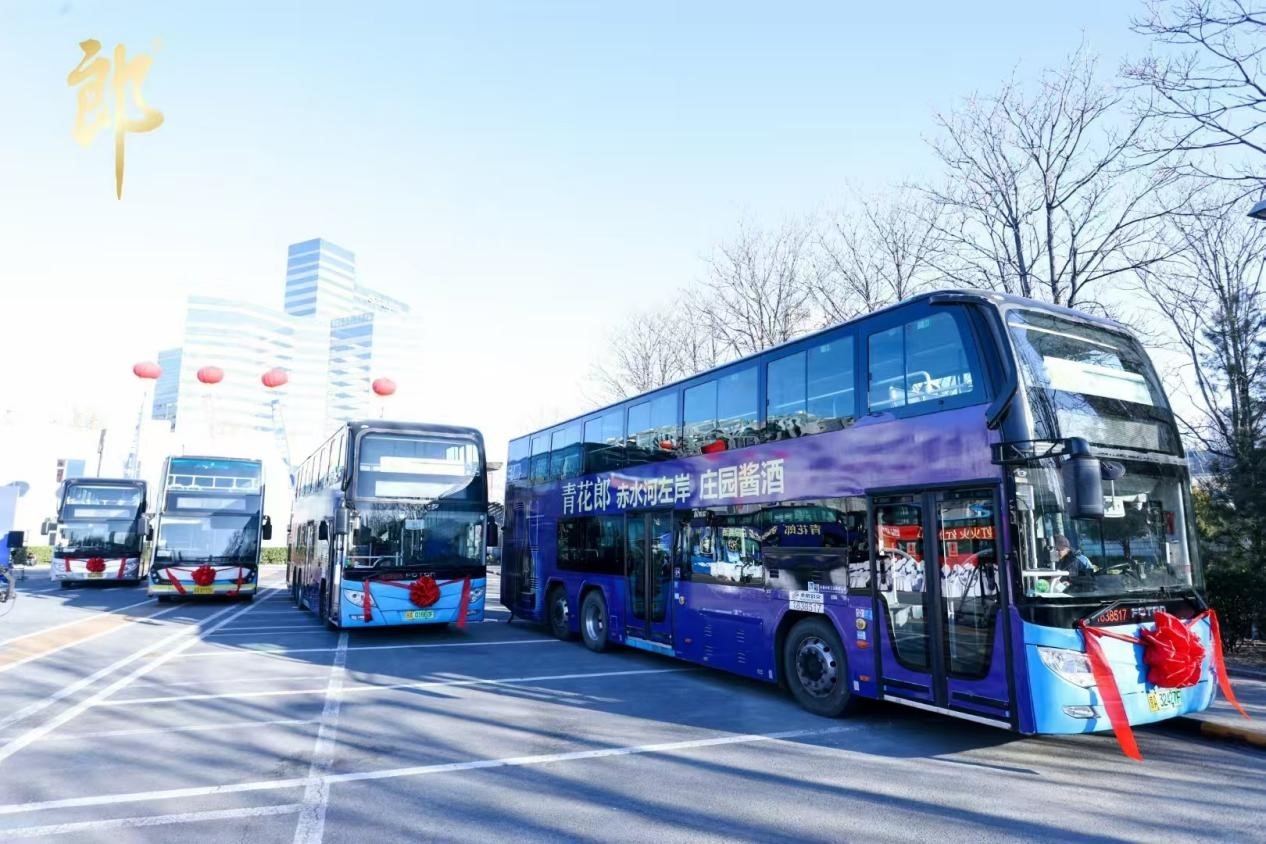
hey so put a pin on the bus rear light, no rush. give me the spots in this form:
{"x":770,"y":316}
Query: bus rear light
{"x":1069,"y":665}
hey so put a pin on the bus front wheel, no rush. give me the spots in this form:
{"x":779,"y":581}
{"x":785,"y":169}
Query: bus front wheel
{"x":816,"y":668}
{"x":559,"y":618}
{"x":593,"y":621}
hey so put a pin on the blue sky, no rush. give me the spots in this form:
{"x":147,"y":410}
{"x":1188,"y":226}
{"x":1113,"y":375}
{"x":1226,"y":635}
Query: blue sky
{"x":520,"y":172}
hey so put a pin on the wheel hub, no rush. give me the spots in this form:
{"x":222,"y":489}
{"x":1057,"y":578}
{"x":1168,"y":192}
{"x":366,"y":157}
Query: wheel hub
{"x":816,"y":667}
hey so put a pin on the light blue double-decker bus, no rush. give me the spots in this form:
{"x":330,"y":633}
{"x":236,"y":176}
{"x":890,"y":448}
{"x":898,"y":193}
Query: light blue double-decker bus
{"x":389,"y":526}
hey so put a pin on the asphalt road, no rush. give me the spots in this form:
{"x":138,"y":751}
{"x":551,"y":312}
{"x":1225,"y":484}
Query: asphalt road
{"x":125,"y":720}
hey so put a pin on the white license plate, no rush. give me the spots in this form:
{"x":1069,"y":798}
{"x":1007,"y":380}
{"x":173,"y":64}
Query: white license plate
{"x":418,"y":615}
{"x":96,"y":574}
{"x":1162,"y":699}
{"x":204,"y":590}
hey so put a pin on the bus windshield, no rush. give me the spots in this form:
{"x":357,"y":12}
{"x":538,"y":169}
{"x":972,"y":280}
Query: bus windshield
{"x":414,"y":467}
{"x":208,"y":539}
{"x":107,"y":536}
{"x":1086,"y":381}
{"x":395,"y":536}
{"x":103,"y":496}
{"x":1141,"y":545}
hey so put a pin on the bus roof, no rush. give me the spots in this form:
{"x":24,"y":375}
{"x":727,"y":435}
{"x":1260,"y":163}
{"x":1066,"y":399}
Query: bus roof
{"x":944,"y":296}
{"x":428,"y":427}
{"x":104,"y":481}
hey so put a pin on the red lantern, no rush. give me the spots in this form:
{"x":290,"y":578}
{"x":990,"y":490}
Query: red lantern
{"x":147,"y":369}
{"x":210,"y":375}
{"x":275,"y":377}
{"x":383,"y":386}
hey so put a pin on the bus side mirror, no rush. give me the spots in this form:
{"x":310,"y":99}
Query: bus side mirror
{"x":267,"y":530}
{"x":1083,"y":481}
{"x":47,"y":526}
{"x":340,"y":522}
{"x":494,"y":537}
{"x":323,"y":532}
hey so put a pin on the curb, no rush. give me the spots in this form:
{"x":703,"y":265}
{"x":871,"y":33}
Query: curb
{"x":1222,"y":731}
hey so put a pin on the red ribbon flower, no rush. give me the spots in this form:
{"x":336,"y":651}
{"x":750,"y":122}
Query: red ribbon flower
{"x":96,"y":565}
{"x":1172,"y":653}
{"x":424,"y":592}
{"x":204,"y":575}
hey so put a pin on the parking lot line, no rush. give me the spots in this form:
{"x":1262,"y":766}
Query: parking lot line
{"x":417,"y":770}
{"x":371,"y":687}
{"x":316,"y":795}
{"x":150,"y":820}
{"x":45,"y":643}
{"x":173,"y":647}
{"x":272,"y":678}
{"x":96,"y":614}
{"x":283,"y":651}
{"x":66,"y":691}
{"x":233,"y":725}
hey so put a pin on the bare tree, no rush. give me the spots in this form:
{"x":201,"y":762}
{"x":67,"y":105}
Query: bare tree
{"x":1208,"y":85}
{"x":879,"y":253}
{"x":1213,"y":291}
{"x":1047,"y":194}
{"x":757,"y":292}
{"x":644,"y":355}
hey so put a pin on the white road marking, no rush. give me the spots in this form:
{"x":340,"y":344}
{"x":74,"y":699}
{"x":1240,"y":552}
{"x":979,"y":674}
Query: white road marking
{"x":77,"y":642}
{"x":272,"y":678}
{"x":239,"y":651}
{"x":151,"y":820}
{"x":372,"y":687}
{"x":91,"y":614}
{"x":188,"y":634}
{"x":414,"y":771}
{"x":66,"y":691}
{"x":220,"y":726}
{"x":316,"y":795}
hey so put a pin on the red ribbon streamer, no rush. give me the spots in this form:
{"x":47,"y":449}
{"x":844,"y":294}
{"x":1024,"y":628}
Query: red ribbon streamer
{"x":174,"y":581}
{"x":461,"y":609}
{"x":1106,"y":682}
{"x":122,"y":566}
{"x":364,"y":600}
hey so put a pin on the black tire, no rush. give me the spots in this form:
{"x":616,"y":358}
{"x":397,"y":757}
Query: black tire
{"x":593,"y":621}
{"x":556,"y":609}
{"x":65,"y":584}
{"x":164,"y":599}
{"x":816,"y":668}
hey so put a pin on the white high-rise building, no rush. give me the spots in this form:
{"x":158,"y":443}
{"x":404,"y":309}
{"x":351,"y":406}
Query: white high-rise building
{"x":332,"y":338}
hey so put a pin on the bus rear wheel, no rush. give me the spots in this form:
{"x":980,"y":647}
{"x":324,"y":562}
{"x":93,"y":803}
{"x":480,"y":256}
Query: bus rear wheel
{"x":593,"y":621}
{"x":816,"y":668}
{"x":559,"y":617}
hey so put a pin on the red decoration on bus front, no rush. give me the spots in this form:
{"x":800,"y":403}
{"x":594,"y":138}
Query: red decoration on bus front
{"x":96,"y":565}
{"x":1172,"y":653}
{"x":210,"y":375}
{"x":424,"y":592}
{"x":203,"y":576}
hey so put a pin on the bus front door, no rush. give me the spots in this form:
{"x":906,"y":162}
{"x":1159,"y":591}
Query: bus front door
{"x":648,"y":578}
{"x":940,"y":602}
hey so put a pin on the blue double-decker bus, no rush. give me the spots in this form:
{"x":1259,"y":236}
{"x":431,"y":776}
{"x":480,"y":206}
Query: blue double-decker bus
{"x":388,"y":526}
{"x":933,"y":505}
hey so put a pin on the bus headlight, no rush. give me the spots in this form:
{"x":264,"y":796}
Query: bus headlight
{"x":1073,"y":666}
{"x":358,"y":598}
